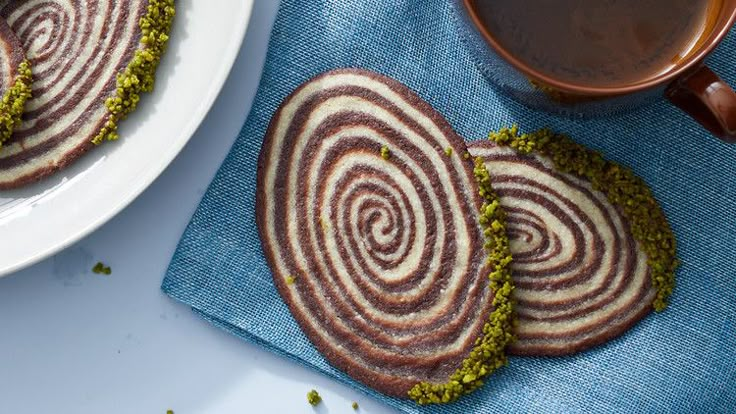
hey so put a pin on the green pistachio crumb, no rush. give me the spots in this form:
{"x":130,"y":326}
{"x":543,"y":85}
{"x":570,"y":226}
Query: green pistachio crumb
{"x":13,"y":102}
{"x":290,"y":280}
{"x":623,"y":189}
{"x":139,"y":75}
{"x":355,"y":405}
{"x":385,"y":152}
{"x":448,"y":151}
{"x":324,"y":224}
{"x":313,"y":398}
{"x":101,"y":269}
{"x":489,"y":352}
{"x":466,"y":155}
{"x":169,"y":411}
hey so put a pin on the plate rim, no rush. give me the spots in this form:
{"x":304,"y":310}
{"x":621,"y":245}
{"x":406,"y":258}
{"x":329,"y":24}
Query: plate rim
{"x":230,"y":54}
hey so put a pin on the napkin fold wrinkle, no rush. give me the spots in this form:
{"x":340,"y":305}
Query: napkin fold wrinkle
{"x":682,"y":360}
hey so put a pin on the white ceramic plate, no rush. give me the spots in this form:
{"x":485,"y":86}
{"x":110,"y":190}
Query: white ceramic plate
{"x":40,"y":220}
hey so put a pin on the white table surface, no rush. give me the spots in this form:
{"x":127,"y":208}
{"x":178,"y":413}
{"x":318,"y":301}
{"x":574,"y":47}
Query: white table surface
{"x":75,"y":342}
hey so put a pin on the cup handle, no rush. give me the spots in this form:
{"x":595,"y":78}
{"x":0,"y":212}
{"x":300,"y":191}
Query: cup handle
{"x":708,"y":99}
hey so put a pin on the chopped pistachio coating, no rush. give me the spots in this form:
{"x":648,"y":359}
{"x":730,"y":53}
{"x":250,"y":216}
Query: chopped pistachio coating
{"x":13,"y":102}
{"x":139,"y":75}
{"x":489,"y":353}
{"x":290,"y":280}
{"x":623,"y":189}
{"x":355,"y":405}
{"x":448,"y":151}
{"x":313,"y":397}
{"x":324,"y":224}
{"x":385,"y":153}
{"x":101,"y":269}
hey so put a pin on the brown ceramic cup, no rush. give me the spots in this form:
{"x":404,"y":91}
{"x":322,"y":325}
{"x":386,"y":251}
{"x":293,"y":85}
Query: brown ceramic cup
{"x":690,"y":85}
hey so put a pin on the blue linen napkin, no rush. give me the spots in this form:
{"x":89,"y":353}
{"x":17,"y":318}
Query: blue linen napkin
{"x":683,"y":360}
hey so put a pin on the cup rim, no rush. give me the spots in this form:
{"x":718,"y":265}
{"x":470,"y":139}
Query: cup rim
{"x":692,"y":61}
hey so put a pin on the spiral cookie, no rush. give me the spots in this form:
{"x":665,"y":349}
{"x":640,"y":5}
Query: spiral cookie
{"x":15,"y":81}
{"x":90,"y":60}
{"x":581,"y":277}
{"x":368,"y":215}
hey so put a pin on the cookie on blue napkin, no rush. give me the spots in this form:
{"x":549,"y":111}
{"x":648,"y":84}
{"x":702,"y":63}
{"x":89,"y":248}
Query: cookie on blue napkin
{"x":390,"y":246}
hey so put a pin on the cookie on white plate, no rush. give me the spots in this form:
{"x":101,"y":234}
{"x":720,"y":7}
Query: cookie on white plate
{"x":90,"y":62}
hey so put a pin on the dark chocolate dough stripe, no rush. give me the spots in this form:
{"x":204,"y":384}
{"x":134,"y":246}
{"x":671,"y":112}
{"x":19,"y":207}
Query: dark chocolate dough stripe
{"x":76,"y":48}
{"x":381,"y":261}
{"x":581,"y":278}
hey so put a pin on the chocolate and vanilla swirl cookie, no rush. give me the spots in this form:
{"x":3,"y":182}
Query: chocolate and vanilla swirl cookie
{"x":581,"y":277}
{"x":82,"y":53}
{"x":15,"y":81}
{"x":369,"y":217}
